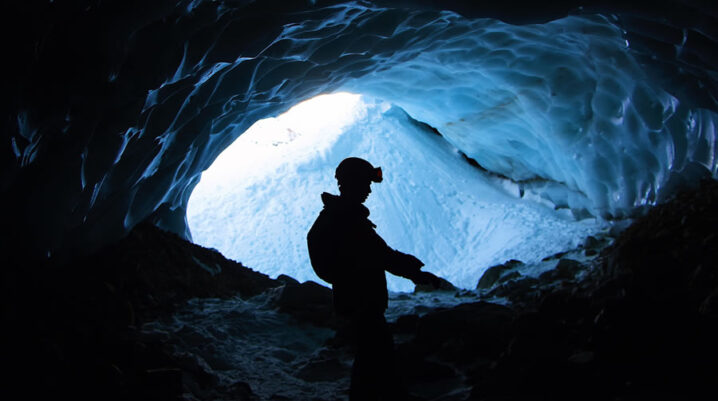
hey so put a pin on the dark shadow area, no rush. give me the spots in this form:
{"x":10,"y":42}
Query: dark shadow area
{"x":76,"y":331}
{"x":641,"y":325}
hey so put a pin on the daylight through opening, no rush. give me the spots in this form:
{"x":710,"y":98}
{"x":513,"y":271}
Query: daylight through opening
{"x":257,"y":201}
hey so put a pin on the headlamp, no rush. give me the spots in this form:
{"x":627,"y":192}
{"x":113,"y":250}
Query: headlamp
{"x":377,"y":175}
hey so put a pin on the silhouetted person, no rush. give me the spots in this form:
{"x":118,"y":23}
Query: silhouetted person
{"x":346,"y":251}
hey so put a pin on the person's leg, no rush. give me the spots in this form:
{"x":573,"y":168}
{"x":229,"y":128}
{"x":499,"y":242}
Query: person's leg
{"x":364,"y":382}
{"x":391,"y":384}
{"x":374,"y":375}
{"x":362,"y":386}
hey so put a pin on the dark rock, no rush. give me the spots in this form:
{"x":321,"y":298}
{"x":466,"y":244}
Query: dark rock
{"x":157,"y":271}
{"x":307,"y":302}
{"x":554,"y":256}
{"x":283,"y":278}
{"x":444,"y":285}
{"x":513,"y":284}
{"x":637,"y":328}
{"x":242,"y":391}
{"x":492,"y":274}
{"x":199,"y":378}
{"x":593,"y":246}
{"x":710,"y":305}
{"x":163,"y":383}
{"x":590,"y":242}
{"x":672,"y":249}
{"x":653,"y":326}
{"x":429,"y":379}
{"x":508,"y":277}
{"x":323,"y":370}
{"x":566,"y":269}
{"x":522,"y":291}
{"x":581,"y":357}
{"x":85,"y":318}
{"x":465,"y":331}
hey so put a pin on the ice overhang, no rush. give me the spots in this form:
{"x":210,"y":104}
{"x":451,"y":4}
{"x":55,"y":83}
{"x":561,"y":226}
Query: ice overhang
{"x":606,"y":130}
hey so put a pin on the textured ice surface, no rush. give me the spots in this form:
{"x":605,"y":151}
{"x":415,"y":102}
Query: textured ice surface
{"x":258,"y":200}
{"x":562,"y":108}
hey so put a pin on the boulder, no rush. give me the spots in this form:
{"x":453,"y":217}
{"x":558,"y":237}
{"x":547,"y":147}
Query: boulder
{"x":492,"y":274}
{"x":466,"y":331}
{"x":307,"y":302}
{"x":566,"y":269}
{"x":508,"y":277}
{"x":287,"y":280}
{"x":444,"y":285}
{"x":594,"y":245}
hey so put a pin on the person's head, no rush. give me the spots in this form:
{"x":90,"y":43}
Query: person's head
{"x":354,"y":176}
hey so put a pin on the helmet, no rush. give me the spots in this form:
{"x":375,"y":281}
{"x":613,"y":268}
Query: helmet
{"x":354,"y":169}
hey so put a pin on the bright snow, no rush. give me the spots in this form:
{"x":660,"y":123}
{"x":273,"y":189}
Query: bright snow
{"x":256,"y":203}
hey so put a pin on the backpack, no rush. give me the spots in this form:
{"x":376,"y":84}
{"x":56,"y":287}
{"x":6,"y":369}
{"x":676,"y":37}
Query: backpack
{"x":322,"y":249}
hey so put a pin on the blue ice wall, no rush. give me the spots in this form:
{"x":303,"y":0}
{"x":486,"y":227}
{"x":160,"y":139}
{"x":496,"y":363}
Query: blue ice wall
{"x":562,"y":108}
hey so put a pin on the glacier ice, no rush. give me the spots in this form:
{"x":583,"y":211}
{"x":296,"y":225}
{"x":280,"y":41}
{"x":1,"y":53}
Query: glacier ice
{"x":258,"y":200}
{"x":561,"y":109}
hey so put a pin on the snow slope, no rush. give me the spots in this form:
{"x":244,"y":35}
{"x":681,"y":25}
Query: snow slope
{"x":257,"y":201}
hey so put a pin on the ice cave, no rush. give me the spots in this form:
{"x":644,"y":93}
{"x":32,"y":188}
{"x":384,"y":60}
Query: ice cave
{"x":555,"y":164}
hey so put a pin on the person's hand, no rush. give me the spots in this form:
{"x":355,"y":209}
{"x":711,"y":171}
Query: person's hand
{"x":412,"y":261}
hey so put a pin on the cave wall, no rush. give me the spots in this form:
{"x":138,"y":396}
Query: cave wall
{"x":113,"y":108}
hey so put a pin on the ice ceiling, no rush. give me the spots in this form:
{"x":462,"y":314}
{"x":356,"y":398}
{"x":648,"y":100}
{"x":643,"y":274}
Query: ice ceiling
{"x":597,"y":112}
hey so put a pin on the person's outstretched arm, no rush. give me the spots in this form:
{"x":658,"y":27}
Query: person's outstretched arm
{"x":409,"y":266}
{"x":395,"y":262}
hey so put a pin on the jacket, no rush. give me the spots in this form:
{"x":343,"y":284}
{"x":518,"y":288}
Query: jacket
{"x":346,"y":251}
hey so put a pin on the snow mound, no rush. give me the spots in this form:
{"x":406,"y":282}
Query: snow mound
{"x":257,"y":207}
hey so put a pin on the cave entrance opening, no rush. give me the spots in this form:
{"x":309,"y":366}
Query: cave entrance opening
{"x":254,"y":202}
{"x":257,"y":201}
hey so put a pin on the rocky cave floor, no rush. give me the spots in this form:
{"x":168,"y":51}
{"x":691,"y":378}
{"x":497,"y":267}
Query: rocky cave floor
{"x":154,"y":317}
